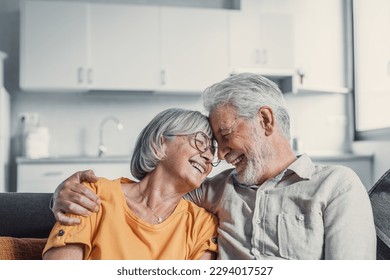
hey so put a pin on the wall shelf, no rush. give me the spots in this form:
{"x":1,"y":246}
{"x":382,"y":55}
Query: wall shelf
{"x":331,"y":90}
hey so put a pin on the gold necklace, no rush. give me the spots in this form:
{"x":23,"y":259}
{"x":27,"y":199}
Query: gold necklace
{"x":159,"y":219}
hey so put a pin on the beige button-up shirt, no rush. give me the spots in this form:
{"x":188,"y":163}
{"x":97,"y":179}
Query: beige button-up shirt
{"x":307,"y":212}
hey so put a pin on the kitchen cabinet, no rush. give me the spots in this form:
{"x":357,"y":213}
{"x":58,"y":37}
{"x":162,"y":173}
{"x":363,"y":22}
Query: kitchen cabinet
{"x":124,"y":48}
{"x":321,"y":48}
{"x":53,"y":49}
{"x":44,"y":175}
{"x":74,"y":46}
{"x":261,"y":41}
{"x":194,"y":48}
{"x":372,"y":63}
{"x":372,"y":47}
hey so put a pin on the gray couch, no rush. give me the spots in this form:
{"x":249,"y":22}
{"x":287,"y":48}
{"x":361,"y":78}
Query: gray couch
{"x":25,"y":215}
{"x":25,"y":224}
{"x":380,"y":201}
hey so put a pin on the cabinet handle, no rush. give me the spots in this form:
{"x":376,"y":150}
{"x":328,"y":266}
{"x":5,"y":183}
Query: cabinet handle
{"x":52,"y":173}
{"x":265,"y":56}
{"x":258,"y":56}
{"x":163,"y":77}
{"x":388,"y":68}
{"x":80,"y":75}
{"x":89,"y":76}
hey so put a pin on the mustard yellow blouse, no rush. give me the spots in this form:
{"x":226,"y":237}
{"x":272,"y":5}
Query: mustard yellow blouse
{"x":116,"y":233}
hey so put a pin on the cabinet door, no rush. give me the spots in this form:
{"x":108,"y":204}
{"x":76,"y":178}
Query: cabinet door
{"x":261,"y":41}
{"x":123,"y":47}
{"x":372,"y":63}
{"x":372,"y":47}
{"x":244,"y":40}
{"x":53,"y":45}
{"x":194,"y":48}
{"x":320,"y":40}
{"x":45,"y":177}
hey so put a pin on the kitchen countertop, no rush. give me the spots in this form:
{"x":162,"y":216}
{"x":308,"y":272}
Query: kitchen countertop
{"x":315,"y":156}
{"x":339,"y":156}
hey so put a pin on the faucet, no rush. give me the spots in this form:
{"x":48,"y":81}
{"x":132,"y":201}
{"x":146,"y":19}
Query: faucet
{"x":102,"y":148}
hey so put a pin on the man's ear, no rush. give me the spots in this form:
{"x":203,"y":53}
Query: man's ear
{"x":267,"y":121}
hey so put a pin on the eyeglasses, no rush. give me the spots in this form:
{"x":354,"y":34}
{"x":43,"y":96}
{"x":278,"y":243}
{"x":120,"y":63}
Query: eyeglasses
{"x":203,"y":143}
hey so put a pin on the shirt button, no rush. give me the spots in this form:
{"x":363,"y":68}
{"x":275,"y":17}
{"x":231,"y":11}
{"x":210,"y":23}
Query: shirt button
{"x":300,"y":217}
{"x":61,"y":232}
{"x":258,"y":221}
{"x":262,"y":192}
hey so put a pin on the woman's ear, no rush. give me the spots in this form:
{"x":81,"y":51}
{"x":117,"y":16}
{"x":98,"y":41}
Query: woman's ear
{"x":267,"y":121}
{"x":160,"y":150}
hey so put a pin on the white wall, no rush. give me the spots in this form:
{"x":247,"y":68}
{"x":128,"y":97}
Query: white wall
{"x":381,"y":151}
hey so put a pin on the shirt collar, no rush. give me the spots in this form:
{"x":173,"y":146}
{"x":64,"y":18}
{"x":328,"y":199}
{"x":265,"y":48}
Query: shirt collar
{"x":303,"y":167}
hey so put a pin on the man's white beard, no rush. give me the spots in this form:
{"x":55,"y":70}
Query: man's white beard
{"x":256,"y":165}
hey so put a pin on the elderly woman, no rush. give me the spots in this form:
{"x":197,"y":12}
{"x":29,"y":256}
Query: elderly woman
{"x":149,"y":219}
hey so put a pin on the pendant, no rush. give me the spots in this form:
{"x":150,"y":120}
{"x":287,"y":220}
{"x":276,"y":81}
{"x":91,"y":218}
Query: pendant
{"x":159,"y":220}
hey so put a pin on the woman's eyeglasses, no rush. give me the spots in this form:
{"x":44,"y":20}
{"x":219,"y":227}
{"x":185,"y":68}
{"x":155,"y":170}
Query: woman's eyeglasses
{"x":203,"y":143}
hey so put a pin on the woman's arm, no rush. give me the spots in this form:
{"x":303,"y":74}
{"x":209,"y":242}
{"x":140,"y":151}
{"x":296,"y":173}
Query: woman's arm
{"x":67,"y":252}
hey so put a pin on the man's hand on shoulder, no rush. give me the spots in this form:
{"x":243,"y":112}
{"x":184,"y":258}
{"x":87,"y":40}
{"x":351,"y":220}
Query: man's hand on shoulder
{"x":71,"y":196}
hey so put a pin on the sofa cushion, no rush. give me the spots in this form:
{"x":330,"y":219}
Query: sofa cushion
{"x":21,"y":248}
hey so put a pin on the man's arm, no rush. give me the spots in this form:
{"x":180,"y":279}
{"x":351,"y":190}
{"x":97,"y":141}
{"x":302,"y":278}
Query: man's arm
{"x":349,"y":225}
{"x":71,"y":196}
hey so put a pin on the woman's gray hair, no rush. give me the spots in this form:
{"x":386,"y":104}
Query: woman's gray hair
{"x":248,"y":92}
{"x":148,"y":151}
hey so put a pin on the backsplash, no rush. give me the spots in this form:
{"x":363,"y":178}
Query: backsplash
{"x":73,"y":119}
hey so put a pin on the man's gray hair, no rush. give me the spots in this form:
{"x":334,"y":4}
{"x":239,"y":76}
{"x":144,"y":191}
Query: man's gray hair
{"x":248,"y":92}
{"x":148,"y":151}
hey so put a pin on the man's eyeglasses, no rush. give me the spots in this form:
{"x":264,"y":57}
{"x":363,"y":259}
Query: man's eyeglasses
{"x":203,"y":143}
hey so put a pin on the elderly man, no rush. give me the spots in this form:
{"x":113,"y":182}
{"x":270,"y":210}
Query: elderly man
{"x":273,"y":205}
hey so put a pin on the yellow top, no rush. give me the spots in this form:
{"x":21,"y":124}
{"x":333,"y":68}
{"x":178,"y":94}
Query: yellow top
{"x":116,"y":233}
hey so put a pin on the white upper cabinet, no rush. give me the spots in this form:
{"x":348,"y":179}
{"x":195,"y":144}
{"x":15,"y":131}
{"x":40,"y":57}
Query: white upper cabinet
{"x":320,"y":45}
{"x":53,"y":45}
{"x":194,"y":48}
{"x":372,"y":63}
{"x":124,"y":47}
{"x":372,"y":51}
{"x":99,"y":46}
{"x":96,"y":46}
{"x":261,"y":41}
{"x":75,"y":46}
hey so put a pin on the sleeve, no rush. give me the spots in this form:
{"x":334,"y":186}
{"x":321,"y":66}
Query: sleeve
{"x":349,"y":224}
{"x":206,"y":236}
{"x":82,"y":233}
{"x":208,"y":195}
